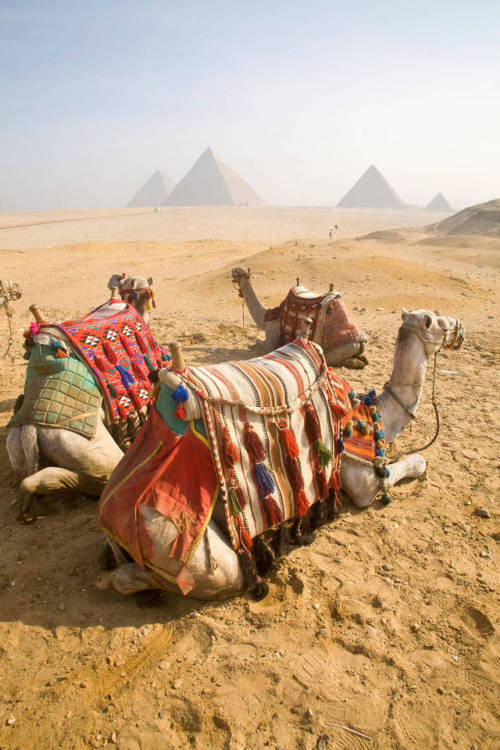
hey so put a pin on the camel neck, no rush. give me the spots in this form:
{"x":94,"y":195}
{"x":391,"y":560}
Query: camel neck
{"x":256,"y":309}
{"x":401,"y":398}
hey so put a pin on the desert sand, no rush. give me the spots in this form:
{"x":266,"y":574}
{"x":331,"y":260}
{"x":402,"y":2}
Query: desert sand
{"x":387,"y":624}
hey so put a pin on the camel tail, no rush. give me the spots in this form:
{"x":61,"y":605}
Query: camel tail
{"x":31,"y":450}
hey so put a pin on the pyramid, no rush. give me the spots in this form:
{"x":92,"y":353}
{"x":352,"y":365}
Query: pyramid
{"x":439,"y":203}
{"x":372,"y":191}
{"x":154,"y":192}
{"x":210,"y":182}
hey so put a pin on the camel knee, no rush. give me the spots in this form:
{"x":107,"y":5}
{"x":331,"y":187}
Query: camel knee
{"x":50,"y":479}
{"x":409,"y":467}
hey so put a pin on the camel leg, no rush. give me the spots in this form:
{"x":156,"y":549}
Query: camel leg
{"x":362,"y":485}
{"x":409,"y":467}
{"x":127,"y":579}
{"x":44,"y":481}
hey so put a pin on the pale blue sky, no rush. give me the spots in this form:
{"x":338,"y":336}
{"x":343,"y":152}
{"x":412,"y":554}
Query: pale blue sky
{"x":299,"y":98}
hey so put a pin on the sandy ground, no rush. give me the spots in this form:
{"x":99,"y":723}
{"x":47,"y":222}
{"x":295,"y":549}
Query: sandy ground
{"x":387,"y":623}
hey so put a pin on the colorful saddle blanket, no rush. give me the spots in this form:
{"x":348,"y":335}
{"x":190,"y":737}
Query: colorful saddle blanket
{"x":58,"y":392}
{"x":331,"y":325}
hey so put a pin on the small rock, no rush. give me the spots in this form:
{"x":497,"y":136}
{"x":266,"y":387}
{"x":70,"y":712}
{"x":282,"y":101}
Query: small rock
{"x":61,"y":607}
{"x":69,"y":714}
{"x":10,"y":721}
{"x":161,"y":715}
{"x":377,"y":602}
{"x":164,"y":665}
{"x":415,"y":627}
{"x":385,"y":566}
{"x":308,"y":714}
{"x":113,"y":738}
{"x":371,"y":632}
{"x":485,"y":553}
{"x":322,"y":742}
{"x":467,"y":502}
{"x":482,"y":513}
{"x":440,"y":691}
{"x":324,"y":633}
{"x":316,"y":605}
{"x":176,"y":685}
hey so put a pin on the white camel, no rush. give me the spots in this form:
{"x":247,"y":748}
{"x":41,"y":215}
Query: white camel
{"x":342,"y":348}
{"x":49,"y":459}
{"x":421,"y":334}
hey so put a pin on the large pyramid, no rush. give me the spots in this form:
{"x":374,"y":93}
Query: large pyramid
{"x":154,"y":192}
{"x":439,"y":203}
{"x":371,"y":191}
{"x":210,"y":182}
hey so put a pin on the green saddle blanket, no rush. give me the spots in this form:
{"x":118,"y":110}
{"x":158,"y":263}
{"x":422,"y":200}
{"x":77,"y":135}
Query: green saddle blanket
{"x":59,"y":392}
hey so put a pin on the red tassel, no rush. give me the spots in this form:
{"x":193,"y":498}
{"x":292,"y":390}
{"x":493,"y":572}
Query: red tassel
{"x":101,"y":364}
{"x":230,"y":452}
{"x":179,"y":413}
{"x":294,"y":476}
{"x":322,"y":483}
{"x":135,"y":399}
{"x":338,"y":411}
{"x":241,"y":497}
{"x":109,"y":352}
{"x":127,"y":347}
{"x":274,"y":514}
{"x":137,"y":369}
{"x":122,"y":411}
{"x":335,"y":480}
{"x":142,"y":344}
{"x":313,"y":428}
{"x":289,"y":442}
{"x":61,"y":353}
{"x":253,"y":444}
{"x":302,"y":503}
{"x":245,"y":538}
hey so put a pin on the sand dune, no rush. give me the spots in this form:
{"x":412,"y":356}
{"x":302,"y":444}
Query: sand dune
{"x":387,"y":623}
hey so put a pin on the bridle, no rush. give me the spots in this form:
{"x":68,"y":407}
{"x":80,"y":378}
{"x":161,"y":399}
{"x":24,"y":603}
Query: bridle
{"x":8,"y":294}
{"x":452,"y":339}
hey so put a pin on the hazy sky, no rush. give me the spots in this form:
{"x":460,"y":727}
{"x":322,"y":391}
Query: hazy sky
{"x":298,"y":97}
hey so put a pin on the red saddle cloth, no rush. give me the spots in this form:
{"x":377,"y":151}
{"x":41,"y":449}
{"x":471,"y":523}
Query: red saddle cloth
{"x":120,"y":351}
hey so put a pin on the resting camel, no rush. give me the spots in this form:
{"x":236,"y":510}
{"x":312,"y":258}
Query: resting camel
{"x":342,"y":343}
{"x":53,"y":458}
{"x":214,"y":566}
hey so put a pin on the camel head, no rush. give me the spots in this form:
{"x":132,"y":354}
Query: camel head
{"x":135,"y":290}
{"x":434,"y":331}
{"x":9,"y":291}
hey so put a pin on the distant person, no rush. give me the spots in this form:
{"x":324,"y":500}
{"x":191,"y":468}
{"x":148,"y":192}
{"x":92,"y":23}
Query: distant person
{"x":336,"y":226}
{"x":330,"y":233}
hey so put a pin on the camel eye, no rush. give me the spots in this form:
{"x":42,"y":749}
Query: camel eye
{"x":427,"y":321}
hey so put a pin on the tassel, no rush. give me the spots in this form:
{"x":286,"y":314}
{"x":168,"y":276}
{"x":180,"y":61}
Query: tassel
{"x":253,"y":444}
{"x":274,"y":514}
{"x":230,"y":452}
{"x":335,"y":480}
{"x":101,"y":364}
{"x":122,"y":411}
{"x":180,"y":393}
{"x":127,"y":347}
{"x":294,"y":476}
{"x":111,"y":390}
{"x":179,"y":413}
{"x":149,"y":363}
{"x":339,"y":446}
{"x":338,"y":410}
{"x":263,"y":480}
{"x":302,"y":504}
{"x":135,"y":400}
{"x":137,"y":369}
{"x":246,"y":540}
{"x":61,"y":353}
{"x":324,"y":454}
{"x":289,"y":442}
{"x":313,"y":429}
{"x":386,"y":498}
{"x":142,"y":344}
{"x":235,"y":501}
{"x":166,"y":357}
{"x":109,"y":352}
{"x":125,"y":376}
{"x":322,"y":484}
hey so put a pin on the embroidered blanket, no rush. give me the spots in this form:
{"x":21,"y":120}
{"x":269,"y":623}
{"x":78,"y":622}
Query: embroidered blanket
{"x":58,"y":392}
{"x":274,"y":425}
{"x":120,"y":351}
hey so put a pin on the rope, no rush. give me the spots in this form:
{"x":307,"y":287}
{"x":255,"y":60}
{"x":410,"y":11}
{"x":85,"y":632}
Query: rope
{"x":7,"y":294}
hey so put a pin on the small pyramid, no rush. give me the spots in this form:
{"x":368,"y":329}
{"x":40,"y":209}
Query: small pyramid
{"x":210,"y":182}
{"x":154,"y":192}
{"x":439,"y":203}
{"x":371,"y":191}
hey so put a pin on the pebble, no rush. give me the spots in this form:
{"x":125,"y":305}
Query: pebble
{"x":176,"y":685}
{"x":324,"y":633}
{"x":377,"y":602}
{"x":440,"y":691}
{"x":371,"y":632}
{"x":82,"y":685}
{"x":467,"y":502}
{"x":308,"y":714}
{"x":69,"y":714}
{"x":113,"y":738}
{"x":316,"y":605}
{"x":10,"y":721}
{"x":322,"y":742}
{"x":164,"y":665}
{"x":485,"y":553}
{"x":385,"y":566}
{"x":379,"y":309}
{"x":482,"y":513}
{"x":61,"y":607}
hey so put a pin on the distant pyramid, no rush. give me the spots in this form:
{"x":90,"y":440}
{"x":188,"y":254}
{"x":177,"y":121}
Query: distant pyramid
{"x":154,"y":192}
{"x":371,"y":191}
{"x":439,"y":203}
{"x":210,"y":182}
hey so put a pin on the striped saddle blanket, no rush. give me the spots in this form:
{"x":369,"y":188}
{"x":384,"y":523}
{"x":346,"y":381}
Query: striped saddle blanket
{"x":274,"y":426}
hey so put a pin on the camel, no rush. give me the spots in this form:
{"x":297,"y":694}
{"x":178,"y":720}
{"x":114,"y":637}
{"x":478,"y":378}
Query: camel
{"x":214,"y":566}
{"x":49,"y":458}
{"x":343,"y":344}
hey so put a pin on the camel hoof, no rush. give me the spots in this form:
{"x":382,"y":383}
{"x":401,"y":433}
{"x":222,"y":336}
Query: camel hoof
{"x":355,"y":363}
{"x":103,"y":582}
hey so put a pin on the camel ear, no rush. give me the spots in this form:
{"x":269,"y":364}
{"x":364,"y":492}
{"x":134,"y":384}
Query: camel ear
{"x":150,"y":281}
{"x":427,"y":321}
{"x":404,"y":314}
{"x":134,"y":284}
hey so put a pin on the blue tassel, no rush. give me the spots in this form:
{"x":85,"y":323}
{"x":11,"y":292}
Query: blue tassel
{"x":372,"y":394}
{"x":180,"y":393}
{"x":368,"y":401}
{"x":380,"y":452}
{"x":387,"y":473}
{"x":125,"y":376}
{"x":166,"y":357}
{"x":340,"y":446}
{"x":263,"y":480}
